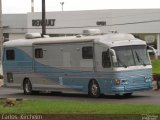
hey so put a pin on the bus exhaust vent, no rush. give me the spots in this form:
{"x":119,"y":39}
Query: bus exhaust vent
{"x":92,"y":32}
{"x":32,"y":35}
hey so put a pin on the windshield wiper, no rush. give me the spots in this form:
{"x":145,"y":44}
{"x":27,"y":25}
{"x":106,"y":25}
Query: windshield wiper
{"x":140,"y":60}
{"x":122,"y":63}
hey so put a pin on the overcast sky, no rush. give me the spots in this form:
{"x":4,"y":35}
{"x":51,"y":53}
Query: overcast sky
{"x":24,"y":6}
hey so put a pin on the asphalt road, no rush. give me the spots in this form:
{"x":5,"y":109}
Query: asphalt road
{"x":147,"y":97}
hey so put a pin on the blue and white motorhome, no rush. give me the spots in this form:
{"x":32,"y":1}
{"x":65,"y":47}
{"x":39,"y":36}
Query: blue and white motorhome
{"x":92,"y":63}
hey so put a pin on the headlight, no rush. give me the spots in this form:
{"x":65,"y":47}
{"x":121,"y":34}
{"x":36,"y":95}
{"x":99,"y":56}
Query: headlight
{"x":117,"y":82}
{"x":124,"y":82}
{"x":147,"y":79}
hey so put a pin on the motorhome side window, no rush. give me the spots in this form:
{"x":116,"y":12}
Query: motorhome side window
{"x":10,"y":54}
{"x":106,"y":62}
{"x":87,"y":52}
{"x":38,"y":53}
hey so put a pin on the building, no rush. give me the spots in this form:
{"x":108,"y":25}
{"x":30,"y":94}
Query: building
{"x":143,"y":23}
{"x":14,"y":26}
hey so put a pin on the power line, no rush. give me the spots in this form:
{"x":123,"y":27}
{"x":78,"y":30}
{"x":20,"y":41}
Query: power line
{"x":158,"y":20}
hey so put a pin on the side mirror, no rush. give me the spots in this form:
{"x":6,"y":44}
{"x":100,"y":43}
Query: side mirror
{"x":113,"y":55}
{"x":154,"y":51}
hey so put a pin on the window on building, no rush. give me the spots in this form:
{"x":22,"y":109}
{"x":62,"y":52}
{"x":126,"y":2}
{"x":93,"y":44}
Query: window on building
{"x":6,"y":37}
{"x":87,"y":52}
{"x":38,"y":53}
{"x":101,"y":23}
{"x":106,"y":61}
{"x":10,"y":54}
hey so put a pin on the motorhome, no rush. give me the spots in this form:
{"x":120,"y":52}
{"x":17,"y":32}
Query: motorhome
{"x":92,"y":63}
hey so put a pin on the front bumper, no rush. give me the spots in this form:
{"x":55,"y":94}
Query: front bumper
{"x":131,"y":88}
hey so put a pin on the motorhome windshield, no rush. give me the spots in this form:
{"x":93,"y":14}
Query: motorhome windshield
{"x":131,"y":56}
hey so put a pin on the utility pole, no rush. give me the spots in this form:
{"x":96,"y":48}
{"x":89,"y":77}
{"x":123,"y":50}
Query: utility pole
{"x":1,"y":32}
{"x":43,"y":18}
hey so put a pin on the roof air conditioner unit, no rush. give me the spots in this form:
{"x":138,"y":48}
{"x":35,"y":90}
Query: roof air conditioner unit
{"x":32,"y":35}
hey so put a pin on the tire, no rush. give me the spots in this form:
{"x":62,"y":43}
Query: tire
{"x":35,"y":92}
{"x":127,"y":94}
{"x":117,"y":95}
{"x":27,"y":87}
{"x":93,"y":89}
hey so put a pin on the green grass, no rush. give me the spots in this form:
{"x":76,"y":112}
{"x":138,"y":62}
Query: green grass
{"x":76,"y":107}
{"x":156,"y":66}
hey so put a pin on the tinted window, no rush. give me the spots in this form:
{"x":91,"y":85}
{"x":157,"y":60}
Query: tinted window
{"x":39,"y":53}
{"x":106,"y":62}
{"x":10,"y":55}
{"x":87,"y":52}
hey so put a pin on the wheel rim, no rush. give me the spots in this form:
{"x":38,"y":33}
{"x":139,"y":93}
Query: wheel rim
{"x":94,"y":88}
{"x":28,"y":87}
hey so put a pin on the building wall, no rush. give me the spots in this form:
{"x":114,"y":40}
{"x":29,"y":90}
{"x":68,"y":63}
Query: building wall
{"x":14,"y":23}
{"x":69,"y":22}
{"x":73,"y":22}
{"x":16,"y":36}
{"x":136,"y":20}
{"x":14,"y":26}
{"x":128,"y":21}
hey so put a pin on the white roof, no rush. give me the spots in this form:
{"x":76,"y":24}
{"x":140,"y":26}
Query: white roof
{"x":121,"y":39}
{"x":111,"y":40}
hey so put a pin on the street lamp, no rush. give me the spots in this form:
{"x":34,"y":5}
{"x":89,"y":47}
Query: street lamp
{"x":62,"y":3}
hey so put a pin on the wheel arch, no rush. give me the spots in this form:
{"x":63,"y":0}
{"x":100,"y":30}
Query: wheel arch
{"x":26,"y":78}
{"x":95,"y":80}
